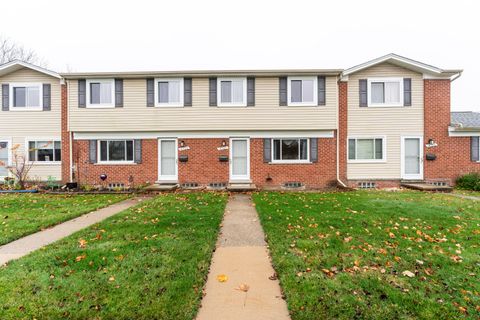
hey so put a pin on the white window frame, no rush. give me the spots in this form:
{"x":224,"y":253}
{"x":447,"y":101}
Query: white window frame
{"x":9,"y":159}
{"x":26,"y":84}
{"x":100,"y":105}
{"x":384,"y":149}
{"x":37,"y":139}
{"x":290,"y":161}
{"x":231,"y":104}
{"x":169,"y":104}
{"x":99,"y":152}
{"x":384,"y":79}
{"x":307,"y":103}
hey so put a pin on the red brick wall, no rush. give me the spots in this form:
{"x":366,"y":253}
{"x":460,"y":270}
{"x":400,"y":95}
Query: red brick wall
{"x":343,"y":128}
{"x":203,"y":166}
{"x":65,"y":137}
{"x":453,"y":153}
{"x":88,"y":173}
{"x":313,"y":175}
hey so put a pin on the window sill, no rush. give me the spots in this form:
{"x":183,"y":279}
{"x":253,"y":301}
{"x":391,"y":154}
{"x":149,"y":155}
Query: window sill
{"x":116,"y":163}
{"x":385,"y":106}
{"x":291,"y":162}
{"x":302,"y":105}
{"x":23,"y":109}
{"x":100,"y":107}
{"x":46,"y":163}
{"x":169,"y":105}
{"x":232,"y":105}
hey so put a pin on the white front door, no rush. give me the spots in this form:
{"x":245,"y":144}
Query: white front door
{"x":239,"y":159}
{"x":4,"y":158}
{"x":412,"y":158}
{"x":167,"y":160}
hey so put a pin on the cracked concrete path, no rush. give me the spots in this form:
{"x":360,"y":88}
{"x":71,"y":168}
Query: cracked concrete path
{"x":242,"y":255}
{"x":23,"y":246}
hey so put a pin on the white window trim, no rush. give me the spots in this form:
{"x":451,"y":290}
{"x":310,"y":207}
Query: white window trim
{"x":26,"y":84}
{"x":303,"y":104}
{"x":384,"y":79}
{"x":99,"y":152}
{"x":170,"y":104}
{"x":101,"y":105}
{"x":36,"y":139}
{"x":384,"y":150}
{"x":289,"y":161}
{"x":9,"y":159}
{"x":231,"y":104}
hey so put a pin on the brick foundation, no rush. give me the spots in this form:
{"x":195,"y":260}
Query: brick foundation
{"x":453,"y":153}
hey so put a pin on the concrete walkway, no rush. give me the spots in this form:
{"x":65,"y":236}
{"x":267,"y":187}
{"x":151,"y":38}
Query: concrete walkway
{"x":243,"y":257}
{"x":35,"y":241}
{"x":464,"y":196}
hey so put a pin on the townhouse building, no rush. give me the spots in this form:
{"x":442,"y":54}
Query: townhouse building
{"x":374,"y":125}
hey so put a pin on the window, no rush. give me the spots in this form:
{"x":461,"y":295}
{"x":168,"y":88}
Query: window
{"x":101,"y":93}
{"x":4,"y":158}
{"x":386,"y":92}
{"x":45,"y":151}
{"x":116,"y":150}
{"x":366,"y":149}
{"x":302,"y":91}
{"x":232,"y":92}
{"x":169,"y":92}
{"x":290,"y":150}
{"x":26,"y":96}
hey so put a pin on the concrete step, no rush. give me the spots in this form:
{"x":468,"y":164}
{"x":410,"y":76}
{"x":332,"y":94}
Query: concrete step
{"x":239,"y":187}
{"x":162,"y":187}
{"x":422,"y":186}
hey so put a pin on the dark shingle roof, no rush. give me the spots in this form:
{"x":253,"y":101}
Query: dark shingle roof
{"x":467,"y":119}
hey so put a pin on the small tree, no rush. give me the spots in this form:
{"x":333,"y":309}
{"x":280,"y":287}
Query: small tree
{"x":10,"y":50}
{"x":20,"y":166}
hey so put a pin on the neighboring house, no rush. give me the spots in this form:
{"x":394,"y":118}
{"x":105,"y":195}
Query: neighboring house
{"x":373,"y":125}
{"x":30,"y":119}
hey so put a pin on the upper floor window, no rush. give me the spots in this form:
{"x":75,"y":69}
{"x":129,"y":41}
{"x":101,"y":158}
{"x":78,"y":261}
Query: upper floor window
{"x":45,"y":151}
{"x":101,"y":93}
{"x":26,"y":96}
{"x":290,"y":150}
{"x":385,"y":92}
{"x":232,"y":92}
{"x":366,"y":149}
{"x":169,"y":92}
{"x":302,"y":91}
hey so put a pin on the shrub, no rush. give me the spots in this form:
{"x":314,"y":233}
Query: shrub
{"x":469,"y":181}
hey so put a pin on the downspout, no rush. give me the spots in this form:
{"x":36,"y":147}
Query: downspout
{"x":339,"y":181}
{"x":70,"y":134}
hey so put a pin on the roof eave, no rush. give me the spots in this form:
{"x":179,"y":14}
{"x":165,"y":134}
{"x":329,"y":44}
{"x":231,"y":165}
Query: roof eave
{"x":18,"y":63}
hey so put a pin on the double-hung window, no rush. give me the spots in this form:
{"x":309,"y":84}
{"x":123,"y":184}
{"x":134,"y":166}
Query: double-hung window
{"x":302,"y":91}
{"x":290,"y":150}
{"x":232,"y":92}
{"x":116,"y":151}
{"x":385,"y":92}
{"x":169,"y":92}
{"x":26,"y":96}
{"x":45,"y":151}
{"x":366,"y":149}
{"x":101,"y":93}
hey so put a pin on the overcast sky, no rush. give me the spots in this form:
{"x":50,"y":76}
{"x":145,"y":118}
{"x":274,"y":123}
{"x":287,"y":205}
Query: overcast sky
{"x":120,"y":35}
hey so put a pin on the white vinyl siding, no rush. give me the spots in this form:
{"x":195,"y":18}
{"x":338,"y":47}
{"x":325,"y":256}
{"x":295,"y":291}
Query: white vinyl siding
{"x":302,"y":91}
{"x":169,"y":92}
{"x":100,"y":93}
{"x":266,"y":115}
{"x":391,"y":123}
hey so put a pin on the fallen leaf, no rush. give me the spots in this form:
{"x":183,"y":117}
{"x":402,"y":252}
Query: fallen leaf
{"x":80,"y":258}
{"x":222,"y":278}
{"x":112,"y":278}
{"x":391,"y":235}
{"x":82,"y":243}
{"x":243,"y":287}
{"x":408,"y":274}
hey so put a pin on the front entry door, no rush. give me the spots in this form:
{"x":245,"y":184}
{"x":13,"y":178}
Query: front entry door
{"x":4,"y":158}
{"x":167,"y":160}
{"x":239,"y":159}
{"x":412,"y":162}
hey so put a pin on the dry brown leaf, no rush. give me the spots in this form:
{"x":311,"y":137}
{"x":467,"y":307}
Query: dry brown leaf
{"x":243,"y":287}
{"x":82,"y":243}
{"x":408,"y":273}
{"x":80,"y":258}
{"x":112,"y":278}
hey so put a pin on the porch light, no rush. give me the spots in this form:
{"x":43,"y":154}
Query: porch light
{"x":182,"y":143}
{"x":224,"y":143}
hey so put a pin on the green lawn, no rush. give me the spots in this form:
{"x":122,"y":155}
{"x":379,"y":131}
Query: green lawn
{"x":149,"y":262}
{"x":467,"y":192}
{"x":23,"y":214}
{"x":375,"y":255}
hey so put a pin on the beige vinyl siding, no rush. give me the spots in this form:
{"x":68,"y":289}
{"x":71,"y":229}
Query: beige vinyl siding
{"x":17,"y":126}
{"x":265,"y":115}
{"x":392,"y":122}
